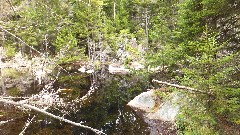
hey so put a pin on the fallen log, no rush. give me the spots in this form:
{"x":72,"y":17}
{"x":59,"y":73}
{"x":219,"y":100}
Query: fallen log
{"x":49,"y":114}
{"x":181,"y":87}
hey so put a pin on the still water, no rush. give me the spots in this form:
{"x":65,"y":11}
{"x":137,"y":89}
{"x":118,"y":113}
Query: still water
{"x":105,"y":109}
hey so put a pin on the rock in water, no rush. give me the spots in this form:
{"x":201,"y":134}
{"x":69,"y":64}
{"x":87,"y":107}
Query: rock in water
{"x":149,"y":103}
{"x":168,"y":110}
{"x":146,"y":101}
{"x":160,"y":115}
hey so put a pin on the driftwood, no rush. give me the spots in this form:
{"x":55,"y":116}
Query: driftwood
{"x":181,"y":87}
{"x":49,"y":114}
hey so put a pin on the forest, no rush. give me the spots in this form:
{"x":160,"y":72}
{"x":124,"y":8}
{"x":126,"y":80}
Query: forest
{"x":192,"y":43}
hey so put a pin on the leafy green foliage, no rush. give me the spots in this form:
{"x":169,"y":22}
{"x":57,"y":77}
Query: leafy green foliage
{"x":198,"y":48}
{"x":194,"y":42}
{"x":14,"y":91}
{"x":207,"y":68}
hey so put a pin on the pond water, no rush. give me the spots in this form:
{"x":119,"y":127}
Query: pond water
{"x":104,"y":110}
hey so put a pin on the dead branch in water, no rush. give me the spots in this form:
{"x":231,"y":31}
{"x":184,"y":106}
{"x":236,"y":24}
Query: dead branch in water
{"x":181,"y":87}
{"x":27,"y":125}
{"x":50,"y":114}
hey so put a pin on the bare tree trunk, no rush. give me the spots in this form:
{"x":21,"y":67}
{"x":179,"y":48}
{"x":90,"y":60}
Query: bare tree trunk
{"x":146,"y":23}
{"x":2,"y":83}
{"x":114,"y":10}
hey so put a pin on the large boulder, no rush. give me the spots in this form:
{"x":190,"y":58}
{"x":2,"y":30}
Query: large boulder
{"x":168,"y":110}
{"x":154,"y":108}
{"x":159,"y":114}
{"x":146,"y":102}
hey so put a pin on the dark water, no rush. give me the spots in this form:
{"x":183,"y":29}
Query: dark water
{"x":104,"y":110}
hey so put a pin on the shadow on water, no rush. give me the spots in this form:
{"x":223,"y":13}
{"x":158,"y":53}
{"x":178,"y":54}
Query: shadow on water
{"x":105,"y":110}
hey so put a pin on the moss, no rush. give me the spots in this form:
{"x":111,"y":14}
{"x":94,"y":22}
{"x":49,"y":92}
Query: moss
{"x":14,"y":91}
{"x":17,"y":2}
{"x":161,"y":94}
{"x":2,"y":113}
{"x":11,"y":73}
{"x":11,"y":51}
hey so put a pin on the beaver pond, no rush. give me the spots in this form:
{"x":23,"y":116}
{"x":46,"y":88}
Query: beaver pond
{"x":105,"y":109}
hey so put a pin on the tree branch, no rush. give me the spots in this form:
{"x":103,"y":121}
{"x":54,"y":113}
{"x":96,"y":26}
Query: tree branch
{"x":19,"y":98}
{"x":20,"y":40}
{"x":26,"y":125}
{"x":181,"y":87}
{"x":11,"y":7}
{"x":50,"y":114}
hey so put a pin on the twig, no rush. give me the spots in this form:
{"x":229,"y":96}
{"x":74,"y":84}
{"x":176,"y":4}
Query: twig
{"x":26,"y":125}
{"x":181,"y":87}
{"x":14,"y":97}
{"x":11,"y":7}
{"x":51,"y":115}
{"x":86,"y":96}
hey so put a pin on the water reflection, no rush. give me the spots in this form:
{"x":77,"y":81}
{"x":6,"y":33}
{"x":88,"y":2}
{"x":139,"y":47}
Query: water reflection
{"x":105,"y":108}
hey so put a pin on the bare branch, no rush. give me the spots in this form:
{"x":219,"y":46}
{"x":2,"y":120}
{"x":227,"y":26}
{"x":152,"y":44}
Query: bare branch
{"x":181,"y":87}
{"x":11,"y":7}
{"x":20,"y":40}
{"x":87,"y":96}
{"x":26,"y":125}
{"x":19,"y":98}
{"x":50,"y":114}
